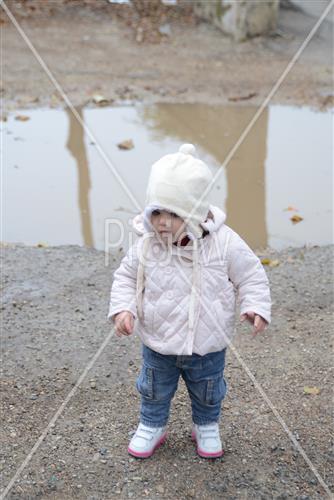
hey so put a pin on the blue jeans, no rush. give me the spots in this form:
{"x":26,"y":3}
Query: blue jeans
{"x":158,"y":381}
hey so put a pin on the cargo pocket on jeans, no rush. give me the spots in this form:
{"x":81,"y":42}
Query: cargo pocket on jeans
{"x":215,"y":390}
{"x":144,"y":382}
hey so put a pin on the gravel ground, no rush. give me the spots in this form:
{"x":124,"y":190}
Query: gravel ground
{"x":54,"y":308}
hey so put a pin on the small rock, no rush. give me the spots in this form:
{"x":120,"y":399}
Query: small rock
{"x":165,"y":29}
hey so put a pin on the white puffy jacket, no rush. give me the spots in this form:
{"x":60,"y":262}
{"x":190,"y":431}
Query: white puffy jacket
{"x":184,"y":298}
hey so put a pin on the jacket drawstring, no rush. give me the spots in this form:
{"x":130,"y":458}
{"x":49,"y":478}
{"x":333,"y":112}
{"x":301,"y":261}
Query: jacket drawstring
{"x":141,"y":278}
{"x":194,"y":282}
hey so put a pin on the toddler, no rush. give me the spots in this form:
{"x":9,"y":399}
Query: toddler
{"x":177,"y":287}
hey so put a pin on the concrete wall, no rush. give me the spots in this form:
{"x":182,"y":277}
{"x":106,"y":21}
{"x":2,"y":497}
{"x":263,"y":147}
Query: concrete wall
{"x":242,"y":18}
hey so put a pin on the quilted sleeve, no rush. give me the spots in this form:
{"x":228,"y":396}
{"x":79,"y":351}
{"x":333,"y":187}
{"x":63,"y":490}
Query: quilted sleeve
{"x":123,"y":290}
{"x":249,"y":277}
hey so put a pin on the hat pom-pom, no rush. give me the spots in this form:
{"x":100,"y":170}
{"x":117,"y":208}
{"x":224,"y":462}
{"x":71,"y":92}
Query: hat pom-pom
{"x":188,"y":149}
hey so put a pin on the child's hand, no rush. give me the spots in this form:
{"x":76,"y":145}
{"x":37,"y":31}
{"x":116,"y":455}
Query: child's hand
{"x":256,"y":320}
{"x":124,"y":322}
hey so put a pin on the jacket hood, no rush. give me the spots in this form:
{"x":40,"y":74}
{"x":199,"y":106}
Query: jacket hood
{"x":215,"y":220}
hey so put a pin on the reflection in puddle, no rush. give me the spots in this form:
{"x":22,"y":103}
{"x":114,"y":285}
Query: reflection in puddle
{"x":216,"y":130}
{"x":59,"y":190}
{"x":76,"y":146}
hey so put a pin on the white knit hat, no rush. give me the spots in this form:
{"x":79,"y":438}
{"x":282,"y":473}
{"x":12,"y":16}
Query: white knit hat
{"x":177,"y":183}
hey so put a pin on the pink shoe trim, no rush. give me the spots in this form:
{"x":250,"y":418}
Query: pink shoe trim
{"x":147,"y":454}
{"x":210,"y":455}
{"x":204,"y":454}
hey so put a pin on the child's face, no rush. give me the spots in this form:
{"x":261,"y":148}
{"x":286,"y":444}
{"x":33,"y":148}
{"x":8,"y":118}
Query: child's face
{"x":168,"y":225}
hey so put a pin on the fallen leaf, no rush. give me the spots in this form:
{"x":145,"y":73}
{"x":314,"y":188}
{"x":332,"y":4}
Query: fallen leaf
{"x":274,"y":263}
{"x":242,"y":97}
{"x":296,"y":218}
{"x":327,"y":102}
{"x":100,"y":100}
{"x":290,"y":208}
{"x":22,"y":118}
{"x":265,"y":261}
{"x":271,"y":263}
{"x":311,"y":390}
{"x":126,"y":145}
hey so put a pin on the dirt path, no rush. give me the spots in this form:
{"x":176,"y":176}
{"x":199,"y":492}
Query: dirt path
{"x":92,"y":50}
{"x":54,"y":308}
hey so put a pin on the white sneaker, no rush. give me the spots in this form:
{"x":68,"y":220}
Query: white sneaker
{"x":208,"y":440}
{"x":146,"y":440}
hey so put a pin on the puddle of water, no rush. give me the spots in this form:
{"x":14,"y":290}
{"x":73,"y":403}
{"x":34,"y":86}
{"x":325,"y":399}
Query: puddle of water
{"x":58,"y":189}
